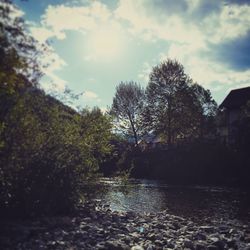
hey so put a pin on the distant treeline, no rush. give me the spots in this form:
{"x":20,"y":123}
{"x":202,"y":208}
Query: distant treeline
{"x":198,"y":163}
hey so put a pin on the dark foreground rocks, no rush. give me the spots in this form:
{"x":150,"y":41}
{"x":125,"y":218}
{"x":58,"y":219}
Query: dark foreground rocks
{"x":100,"y":228}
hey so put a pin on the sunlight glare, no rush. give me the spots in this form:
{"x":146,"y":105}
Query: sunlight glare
{"x":105,"y":45}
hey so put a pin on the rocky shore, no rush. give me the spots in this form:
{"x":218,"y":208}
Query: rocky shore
{"x":97,"y":227}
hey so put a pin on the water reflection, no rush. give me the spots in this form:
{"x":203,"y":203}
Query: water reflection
{"x":197,"y":203}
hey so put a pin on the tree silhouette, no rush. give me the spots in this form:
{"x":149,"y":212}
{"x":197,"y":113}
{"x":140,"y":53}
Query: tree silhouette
{"x":175,"y":107}
{"x":127,"y":109}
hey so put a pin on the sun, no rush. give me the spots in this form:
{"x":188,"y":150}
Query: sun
{"x":105,"y":44}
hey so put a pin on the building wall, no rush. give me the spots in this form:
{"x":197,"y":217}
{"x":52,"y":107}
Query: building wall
{"x":233,"y":117}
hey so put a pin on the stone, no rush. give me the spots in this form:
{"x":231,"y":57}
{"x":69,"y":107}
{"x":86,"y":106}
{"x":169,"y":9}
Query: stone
{"x":231,"y":243}
{"x":219,"y":243}
{"x":127,"y":240}
{"x":80,"y":235}
{"x":207,"y":229}
{"x":159,"y":243}
{"x":212,"y":247}
{"x":170,"y":244}
{"x":151,"y":236}
{"x":100,"y":246}
{"x":200,"y":236}
{"x":116,"y":245}
{"x":224,"y":229}
{"x":149,"y":247}
{"x":124,"y":231}
{"x":137,"y":247}
{"x":188,"y":244}
{"x":161,"y":226}
{"x":200,"y":245}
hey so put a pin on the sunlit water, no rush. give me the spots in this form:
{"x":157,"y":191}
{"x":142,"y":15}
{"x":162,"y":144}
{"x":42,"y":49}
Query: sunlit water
{"x":194,"y":202}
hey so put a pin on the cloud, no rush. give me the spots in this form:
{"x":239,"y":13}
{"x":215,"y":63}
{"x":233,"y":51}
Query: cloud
{"x":14,"y":11}
{"x":145,"y":71}
{"x":239,"y":2}
{"x":153,"y":23}
{"x":52,"y":83}
{"x":104,"y":110}
{"x":199,"y":9}
{"x":210,"y":38}
{"x":42,"y":34}
{"x":90,"y":95}
{"x":193,"y":22}
{"x":206,"y":70}
{"x":79,"y":18}
{"x":58,"y":19}
{"x":235,"y":54}
{"x":231,"y":23}
{"x":52,"y":64}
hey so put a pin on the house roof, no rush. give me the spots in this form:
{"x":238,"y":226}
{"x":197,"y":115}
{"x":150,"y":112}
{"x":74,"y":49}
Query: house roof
{"x":236,"y":98}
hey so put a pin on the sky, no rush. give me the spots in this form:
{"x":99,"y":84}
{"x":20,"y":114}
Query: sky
{"x":96,"y":44}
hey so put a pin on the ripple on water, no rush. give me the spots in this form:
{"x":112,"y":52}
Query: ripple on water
{"x":194,"y":202}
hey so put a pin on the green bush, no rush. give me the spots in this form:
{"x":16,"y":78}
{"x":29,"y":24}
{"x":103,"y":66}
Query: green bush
{"x":49,"y":154}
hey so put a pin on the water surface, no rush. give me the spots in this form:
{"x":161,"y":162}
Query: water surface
{"x":194,"y":202}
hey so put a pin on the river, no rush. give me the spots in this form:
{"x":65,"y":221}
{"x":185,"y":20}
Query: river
{"x":194,"y":202}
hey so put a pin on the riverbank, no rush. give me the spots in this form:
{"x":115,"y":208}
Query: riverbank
{"x":97,"y":227}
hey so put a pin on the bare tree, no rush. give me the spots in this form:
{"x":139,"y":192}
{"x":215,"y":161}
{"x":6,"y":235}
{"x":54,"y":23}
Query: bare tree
{"x":127,"y":109}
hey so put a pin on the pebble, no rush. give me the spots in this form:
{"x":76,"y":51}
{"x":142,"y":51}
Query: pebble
{"x":108,"y":230}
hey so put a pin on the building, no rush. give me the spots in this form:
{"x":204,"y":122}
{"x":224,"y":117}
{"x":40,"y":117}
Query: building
{"x":230,"y":114}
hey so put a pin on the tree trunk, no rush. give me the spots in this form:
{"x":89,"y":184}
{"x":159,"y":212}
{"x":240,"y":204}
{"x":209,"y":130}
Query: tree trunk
{"x":134,"y":131}
{"x":169,"y":128}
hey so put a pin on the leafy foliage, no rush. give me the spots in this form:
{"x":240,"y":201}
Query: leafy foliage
{"x":50,"y":152}
{"x":175,"y":107}
{"x":19,"y":67}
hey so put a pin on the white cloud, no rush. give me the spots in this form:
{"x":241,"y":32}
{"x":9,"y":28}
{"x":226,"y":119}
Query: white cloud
{"x":232,"y":22}
{"x":104,"y":109}
{"x":42,"y":34}
{"x":54,"y":84}
{"x":105,"y":43}
{"x":60,"y":18}
{"x":90,"y":95}
{"x":14,"y":11}
{"x":145,"y":71}
{"x":206,"y":71}
{"x":53,"y":60}
{"x":229,"y":22}
{"x":53,"y":63}
{"x":158,"y":26}
{"x":188,"y":38}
